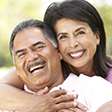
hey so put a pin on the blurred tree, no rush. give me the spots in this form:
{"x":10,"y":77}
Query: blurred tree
{"x":105,"y":12}
{"x":12,"y":12}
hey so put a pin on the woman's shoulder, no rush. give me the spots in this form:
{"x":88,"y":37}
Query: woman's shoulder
{"x":109,"y":75}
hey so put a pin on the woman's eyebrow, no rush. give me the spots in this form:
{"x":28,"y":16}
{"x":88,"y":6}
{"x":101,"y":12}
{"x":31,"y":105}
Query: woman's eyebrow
{"x":80,"y":28}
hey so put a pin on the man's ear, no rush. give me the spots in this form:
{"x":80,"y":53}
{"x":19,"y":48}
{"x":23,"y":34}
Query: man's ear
{"x":13,"y":59}
{"x":14,"y":63}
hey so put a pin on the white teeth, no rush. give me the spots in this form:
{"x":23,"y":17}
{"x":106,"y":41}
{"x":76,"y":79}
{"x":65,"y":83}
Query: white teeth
{"x":76,"y":55}
{"x":35,"y":67}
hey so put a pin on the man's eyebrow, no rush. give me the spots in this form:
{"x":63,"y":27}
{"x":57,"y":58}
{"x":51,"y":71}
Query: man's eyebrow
{"x":35,"y":44}
{"x":38,"y":43}
{"x":18,"y":51}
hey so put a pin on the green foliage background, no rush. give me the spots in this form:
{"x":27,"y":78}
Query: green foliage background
{"x":106,"y":13}
{"x":13,"y":11}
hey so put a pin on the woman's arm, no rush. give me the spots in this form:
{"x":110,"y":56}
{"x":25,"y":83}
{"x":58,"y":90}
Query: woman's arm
{"x":11,"y":78}
{"x":13,"y":99}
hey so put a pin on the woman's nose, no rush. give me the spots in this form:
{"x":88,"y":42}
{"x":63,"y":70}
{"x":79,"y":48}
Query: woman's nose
{"x":73,"y":42}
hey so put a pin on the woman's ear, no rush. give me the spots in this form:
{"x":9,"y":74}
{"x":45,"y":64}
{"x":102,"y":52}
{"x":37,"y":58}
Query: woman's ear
{"x":60,"y":56}
{"x":97,"y":38}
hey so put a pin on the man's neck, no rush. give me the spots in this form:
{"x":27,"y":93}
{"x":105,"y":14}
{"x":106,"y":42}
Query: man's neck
{"x":59,"y":80}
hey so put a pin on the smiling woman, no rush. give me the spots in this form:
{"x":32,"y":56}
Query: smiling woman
{"x":80,"y":35}
{"x":81,"y":40}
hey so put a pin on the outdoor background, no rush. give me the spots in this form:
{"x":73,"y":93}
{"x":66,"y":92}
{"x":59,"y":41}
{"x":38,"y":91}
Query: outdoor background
{"x":14,"y":11}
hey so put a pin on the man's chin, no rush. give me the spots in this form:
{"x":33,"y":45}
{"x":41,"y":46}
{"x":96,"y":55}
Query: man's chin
{"x":40,"y":91}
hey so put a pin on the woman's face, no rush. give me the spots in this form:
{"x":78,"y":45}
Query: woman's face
{"x":77,"y":43}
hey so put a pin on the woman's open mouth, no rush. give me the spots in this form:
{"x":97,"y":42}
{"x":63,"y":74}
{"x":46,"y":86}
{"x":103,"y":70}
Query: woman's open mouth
{"x":77,"y":54}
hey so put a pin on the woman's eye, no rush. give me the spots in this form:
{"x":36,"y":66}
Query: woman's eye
{"x":81,"y":32}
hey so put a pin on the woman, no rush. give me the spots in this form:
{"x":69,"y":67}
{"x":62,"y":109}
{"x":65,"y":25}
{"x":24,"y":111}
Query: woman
{"x":81,"y":38}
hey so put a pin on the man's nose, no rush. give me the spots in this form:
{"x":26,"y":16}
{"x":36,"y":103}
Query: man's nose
{"x":32,"y":55}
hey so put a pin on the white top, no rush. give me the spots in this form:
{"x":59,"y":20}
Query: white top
{"x":92,"y":91}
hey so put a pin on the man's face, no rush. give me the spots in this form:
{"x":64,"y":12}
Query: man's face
{"x":36,"y":60}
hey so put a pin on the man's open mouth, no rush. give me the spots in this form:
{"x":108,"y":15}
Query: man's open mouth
{"x":36,"y":66}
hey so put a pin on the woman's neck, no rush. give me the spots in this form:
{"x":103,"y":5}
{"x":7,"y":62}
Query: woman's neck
{"x":86,"y":70}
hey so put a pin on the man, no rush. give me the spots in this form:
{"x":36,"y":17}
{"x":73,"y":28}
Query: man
{"x":38,"y":66}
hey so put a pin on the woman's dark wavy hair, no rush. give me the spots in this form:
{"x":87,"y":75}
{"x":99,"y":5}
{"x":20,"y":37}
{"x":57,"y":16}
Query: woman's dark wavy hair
{"x":83,"y":11}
